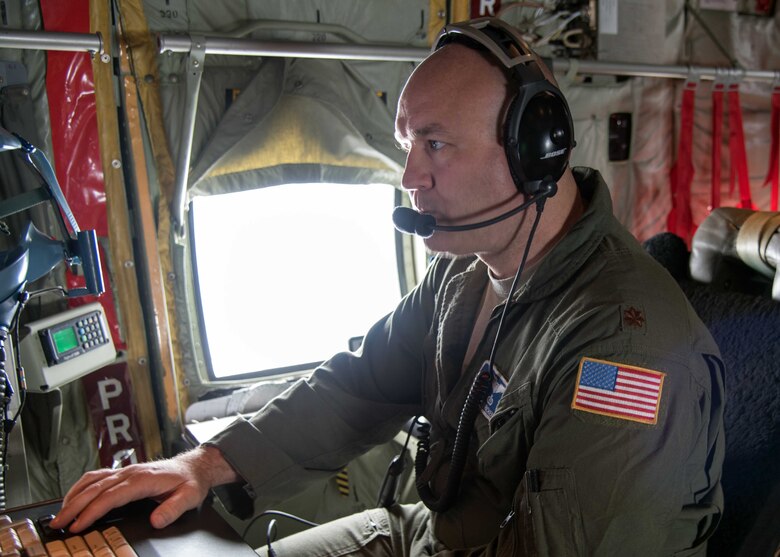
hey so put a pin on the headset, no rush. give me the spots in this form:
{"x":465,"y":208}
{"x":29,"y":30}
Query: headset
{"x":538,"y":133}
{"x":538,"y":129}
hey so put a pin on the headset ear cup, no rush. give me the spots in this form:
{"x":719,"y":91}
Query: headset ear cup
{"x":511,"y":144}
{"x":538,"y":139}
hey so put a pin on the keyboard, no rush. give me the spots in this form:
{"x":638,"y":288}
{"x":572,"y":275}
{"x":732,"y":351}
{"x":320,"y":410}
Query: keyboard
{"x":124,"y":532}
{"x":21,"y":537}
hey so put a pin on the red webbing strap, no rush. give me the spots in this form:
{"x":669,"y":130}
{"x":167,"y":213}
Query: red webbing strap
{"x":773,"y":174}
{"x":717,"y":140}
{"x":680,"y":221}
{"x":737,"y":147}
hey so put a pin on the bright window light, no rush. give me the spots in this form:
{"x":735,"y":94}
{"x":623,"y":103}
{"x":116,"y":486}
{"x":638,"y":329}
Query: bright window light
{"x":288,"y":274}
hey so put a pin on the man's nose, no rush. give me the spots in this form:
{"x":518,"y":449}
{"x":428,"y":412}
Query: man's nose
{"x":417,"y":172}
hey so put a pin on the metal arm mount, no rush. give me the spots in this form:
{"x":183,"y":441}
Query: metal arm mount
{"x":79,"y":246}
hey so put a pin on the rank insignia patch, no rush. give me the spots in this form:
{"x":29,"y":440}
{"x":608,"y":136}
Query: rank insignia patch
{"x":633,"y":317}
{"x":618,"y":390}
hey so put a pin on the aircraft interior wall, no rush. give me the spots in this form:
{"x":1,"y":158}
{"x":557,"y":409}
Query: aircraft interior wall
{"x":261,"y":121}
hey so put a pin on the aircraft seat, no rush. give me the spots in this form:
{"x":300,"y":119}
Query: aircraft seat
{"x":746,"y":327}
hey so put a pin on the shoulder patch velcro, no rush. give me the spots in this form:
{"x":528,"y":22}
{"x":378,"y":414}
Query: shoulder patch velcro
{"x":618,"y":390}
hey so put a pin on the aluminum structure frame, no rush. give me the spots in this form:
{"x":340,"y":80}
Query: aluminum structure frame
{"x":197,"y":47}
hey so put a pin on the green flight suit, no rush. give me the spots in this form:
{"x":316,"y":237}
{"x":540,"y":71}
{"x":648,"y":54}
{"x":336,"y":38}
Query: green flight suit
{"x":542,"y":477}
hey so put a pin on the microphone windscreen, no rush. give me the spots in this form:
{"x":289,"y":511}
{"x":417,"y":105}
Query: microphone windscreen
{"x":410,"y":221}
{"x":404,"y":219}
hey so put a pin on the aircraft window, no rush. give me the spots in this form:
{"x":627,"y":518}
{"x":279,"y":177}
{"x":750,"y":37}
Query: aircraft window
{"x":286,"y":275}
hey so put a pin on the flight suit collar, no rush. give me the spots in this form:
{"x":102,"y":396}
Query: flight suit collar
{"x":570,"y":253}
{"x":461,"y":301}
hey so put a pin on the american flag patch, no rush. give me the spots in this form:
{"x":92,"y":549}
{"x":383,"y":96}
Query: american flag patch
{"x":618,"y":390}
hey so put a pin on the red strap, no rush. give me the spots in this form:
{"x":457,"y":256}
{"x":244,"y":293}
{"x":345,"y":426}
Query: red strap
{"x":680,"y":221}
{"x":737,"y":148}
{"x":717,"y":140}
{"x":773,"y":174}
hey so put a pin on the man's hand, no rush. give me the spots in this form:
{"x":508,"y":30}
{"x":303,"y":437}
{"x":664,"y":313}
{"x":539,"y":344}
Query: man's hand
{"x":180,"y":483}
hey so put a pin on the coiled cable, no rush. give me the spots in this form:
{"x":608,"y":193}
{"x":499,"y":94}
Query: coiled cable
{"x":471,"y":407}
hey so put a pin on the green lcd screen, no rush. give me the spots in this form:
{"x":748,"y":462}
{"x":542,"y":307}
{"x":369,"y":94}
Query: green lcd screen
{"x":65,"y":340}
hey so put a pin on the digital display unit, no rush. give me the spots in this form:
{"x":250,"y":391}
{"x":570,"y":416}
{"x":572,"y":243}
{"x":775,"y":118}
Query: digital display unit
{"x":63,"y":347}
{"x":72,"y":337}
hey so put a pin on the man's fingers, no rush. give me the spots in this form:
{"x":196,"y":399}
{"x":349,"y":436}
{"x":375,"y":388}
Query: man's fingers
{"x":101,"y":497}
{"x":85,"y":481}
{"x":83,"y":492}
{"x":173,"y":507}
{"x":97,"y":494}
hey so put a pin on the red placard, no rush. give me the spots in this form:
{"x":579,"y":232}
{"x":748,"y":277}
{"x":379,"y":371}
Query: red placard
{"x":112,"y":408}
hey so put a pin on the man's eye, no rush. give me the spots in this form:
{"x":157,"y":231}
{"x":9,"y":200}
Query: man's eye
{"x":435,"y":145}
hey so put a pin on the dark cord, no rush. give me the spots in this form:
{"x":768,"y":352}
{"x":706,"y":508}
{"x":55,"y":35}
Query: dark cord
{"x":272,"y":512}
{"x":474,"y":401}
{"x":24,"y":297}
{"x":409,"y":433}
{"x":505,"y":308}
{"x":270,"y":536}
{"x":388,"y":492}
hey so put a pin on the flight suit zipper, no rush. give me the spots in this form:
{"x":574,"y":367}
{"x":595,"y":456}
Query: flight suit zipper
{"x":531,"y":486}
{"x":509,"y":517}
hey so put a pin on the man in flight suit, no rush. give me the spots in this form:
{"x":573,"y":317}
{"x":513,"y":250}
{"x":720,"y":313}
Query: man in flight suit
{"x":600,"y":432}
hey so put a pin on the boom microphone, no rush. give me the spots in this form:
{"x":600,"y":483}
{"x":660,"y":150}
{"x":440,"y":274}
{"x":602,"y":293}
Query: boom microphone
{"x":409,"y":221}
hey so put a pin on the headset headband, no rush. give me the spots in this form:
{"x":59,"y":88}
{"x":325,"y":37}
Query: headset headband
{"x":486,"y":32}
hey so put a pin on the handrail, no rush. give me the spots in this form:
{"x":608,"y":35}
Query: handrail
{"x":51,"y":40}
{"x":292,"y":49}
